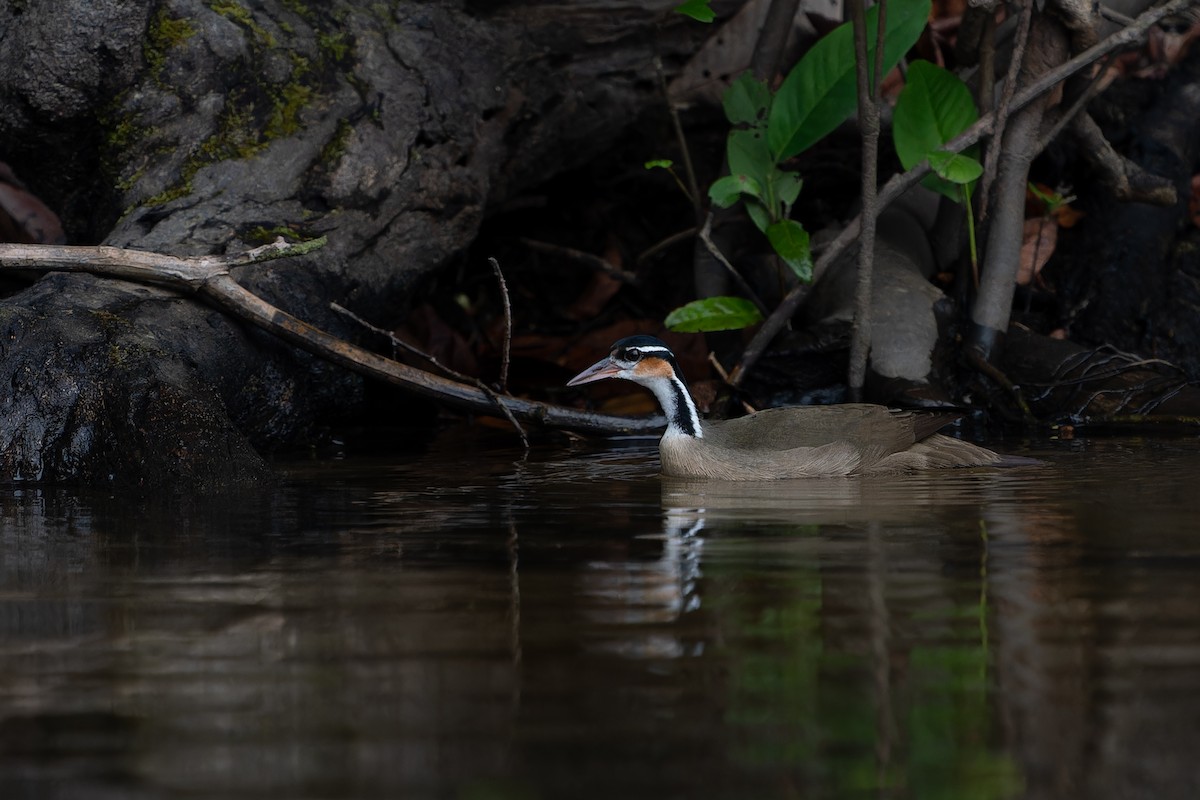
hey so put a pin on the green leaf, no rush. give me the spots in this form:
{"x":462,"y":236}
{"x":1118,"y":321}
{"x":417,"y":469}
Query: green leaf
{"x":697,"y":10}
{"x":746,"y":100}
{"x":748,"y":155}
{"x":955,"y":167}
{"x":758,"y":214}
{"x":786,"y":187}
{"x":790,"y":241}
{"x":726,"y":191}
{"x":713,"y":314}
{"x":660,"y":163}
{"x":933,"y":108}
{"x":821,"y":91}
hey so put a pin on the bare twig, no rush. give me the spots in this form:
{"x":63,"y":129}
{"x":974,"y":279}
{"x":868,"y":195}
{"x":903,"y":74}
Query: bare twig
{"x":1063,"y":118}
{"x":743,"y":286}
{"x":208,"y":277}
{"x":720,"y":370}
{"x":985,"y":367}
{"x":987,"y":61}
{"x":658,"y":247}
{"x":587,"y":259}
{"x":684,"y":152}
{"x":898,"y":184}
{"x":1114,"y":16}
{"x":400,"y":344}
{"x":992,"y":159}
{"x":507,"y":326}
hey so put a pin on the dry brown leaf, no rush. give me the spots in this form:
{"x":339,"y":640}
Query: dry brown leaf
{"x":1041,"y":235}
{"x":1067,"y":216}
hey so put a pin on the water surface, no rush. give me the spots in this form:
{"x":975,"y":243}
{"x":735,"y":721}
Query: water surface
{"x":568,"y":624}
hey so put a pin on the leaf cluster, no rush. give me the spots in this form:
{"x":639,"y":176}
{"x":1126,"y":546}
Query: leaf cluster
{"x":819,"y":94}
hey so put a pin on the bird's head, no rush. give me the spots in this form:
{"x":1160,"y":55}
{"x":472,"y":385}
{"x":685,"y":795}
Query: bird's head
{"x":642,"y":359}
{"x":648,"y":361}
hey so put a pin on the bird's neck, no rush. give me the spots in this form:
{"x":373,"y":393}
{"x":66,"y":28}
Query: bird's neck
{"x":682,"y":417}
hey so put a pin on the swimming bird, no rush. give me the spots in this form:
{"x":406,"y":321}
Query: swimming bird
{"x":794,"y":442}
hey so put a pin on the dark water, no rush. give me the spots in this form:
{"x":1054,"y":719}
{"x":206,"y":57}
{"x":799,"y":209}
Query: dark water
{"x":569,"y":625}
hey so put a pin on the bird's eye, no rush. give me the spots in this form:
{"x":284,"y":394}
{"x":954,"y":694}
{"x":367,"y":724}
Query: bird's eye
{"x":632,"y":354}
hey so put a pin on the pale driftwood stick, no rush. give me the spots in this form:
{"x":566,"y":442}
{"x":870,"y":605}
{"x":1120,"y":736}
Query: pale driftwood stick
{"x":898,"y":184}
{"x":208,"y":277}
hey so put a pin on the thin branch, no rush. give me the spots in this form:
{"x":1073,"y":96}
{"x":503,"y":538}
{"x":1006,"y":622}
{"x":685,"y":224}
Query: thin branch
{"x":1115,"y":16}
{"x":719,"y":368}
{"x":399,"y":344}
{"x":743,"y":286}
{"x":587,"y":259}
{"x":658,"y":247}
{"x":507,"y":327}
{"x":1063,"y":118}
{"x":900,"y":183}
{"x":685,"y":154}
{"x":992,"y":159}
{"x":987,"y":61}
{"x":208,"y":277}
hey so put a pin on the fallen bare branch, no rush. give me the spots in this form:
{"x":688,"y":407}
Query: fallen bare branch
{"x":208,"y":277}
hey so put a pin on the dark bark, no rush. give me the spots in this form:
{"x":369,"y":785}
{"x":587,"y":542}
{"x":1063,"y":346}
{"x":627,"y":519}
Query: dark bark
{"x":1127,"y":277}
{"x":174,"y":127}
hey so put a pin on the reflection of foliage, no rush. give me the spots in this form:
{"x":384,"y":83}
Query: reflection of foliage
{"x":776,"y":680}
{"x":949,"y":726}
{"x":802,"y":702}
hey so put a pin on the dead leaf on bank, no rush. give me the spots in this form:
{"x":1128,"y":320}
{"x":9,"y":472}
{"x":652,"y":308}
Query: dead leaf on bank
{"x":1068,"y":216}
{"x":1041,"y":236}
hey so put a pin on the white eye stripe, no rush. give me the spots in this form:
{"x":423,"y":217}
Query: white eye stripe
{"x":634,"y":353}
